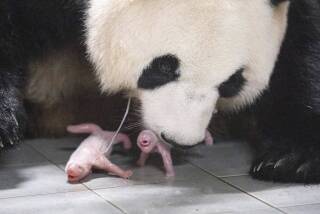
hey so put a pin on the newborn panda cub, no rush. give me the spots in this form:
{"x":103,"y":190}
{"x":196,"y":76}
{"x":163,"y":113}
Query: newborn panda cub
{"x":93,"y":153}
{"x":148,"y":142}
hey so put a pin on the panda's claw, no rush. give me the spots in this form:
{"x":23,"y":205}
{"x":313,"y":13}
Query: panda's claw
{"x":14,"y":118}
{"x":301,"y":167}
{"x":270,"y":164}
{"x":258,"y":168}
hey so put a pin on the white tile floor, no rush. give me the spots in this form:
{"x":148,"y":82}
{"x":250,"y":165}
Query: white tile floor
{"x":209,"y":180}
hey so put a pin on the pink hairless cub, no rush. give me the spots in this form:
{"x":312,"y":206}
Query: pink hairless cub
{"x":149,"y":143}
{"x":209,"y":141}
{"x":92,"y":153}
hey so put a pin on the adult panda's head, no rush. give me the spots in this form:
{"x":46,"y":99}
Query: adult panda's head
{"x":185,"y":58}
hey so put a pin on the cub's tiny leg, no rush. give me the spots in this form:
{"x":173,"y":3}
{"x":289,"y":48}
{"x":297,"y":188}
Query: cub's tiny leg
{"x":167,"y":160}
{"x":123,"y":138}
{"x":209,"y":139}
{"x":106,"y":165}
{"x":143,"y":158}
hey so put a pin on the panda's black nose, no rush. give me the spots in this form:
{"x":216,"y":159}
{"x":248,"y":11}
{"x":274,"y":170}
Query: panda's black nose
{"x":174,"y":143}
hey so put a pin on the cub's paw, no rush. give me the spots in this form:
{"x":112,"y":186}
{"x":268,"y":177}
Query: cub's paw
{"x":280,"y":166}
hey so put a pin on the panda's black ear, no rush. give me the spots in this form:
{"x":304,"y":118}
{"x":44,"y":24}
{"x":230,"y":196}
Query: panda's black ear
{"x":277,"y":2}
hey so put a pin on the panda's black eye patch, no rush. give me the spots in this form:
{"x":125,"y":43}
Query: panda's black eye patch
{"x":160,"y":71}
{"x":233,"y":85}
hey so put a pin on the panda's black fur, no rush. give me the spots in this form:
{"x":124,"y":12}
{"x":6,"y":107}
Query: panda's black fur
{"x":161,"y":71}
{"x":289,"y":112}
{"x":28,"y":29}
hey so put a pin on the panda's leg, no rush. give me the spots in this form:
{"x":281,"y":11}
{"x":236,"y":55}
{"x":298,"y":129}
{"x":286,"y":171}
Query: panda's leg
{"x":290,"y":112}
{"x":291,"y":164}
{"x":12,"y":114}
{"x":290,"y":151}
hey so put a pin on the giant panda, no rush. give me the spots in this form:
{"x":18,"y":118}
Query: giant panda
{"x":184,"y":60}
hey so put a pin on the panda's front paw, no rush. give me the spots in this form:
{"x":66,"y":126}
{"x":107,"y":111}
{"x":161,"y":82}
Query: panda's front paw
{"x":12,"y":122}
{"x":280,"y":166}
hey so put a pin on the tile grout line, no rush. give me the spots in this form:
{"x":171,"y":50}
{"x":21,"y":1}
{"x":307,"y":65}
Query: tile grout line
{"x":45,"y":157}
{"x":299,"y":205}
{"x":102,"y":198}
{"x":232,"y":176}
{"x":237,"y":188}
{"x":109,"y":202}
{"x":44,"y":194}
{"x":85,"y":186}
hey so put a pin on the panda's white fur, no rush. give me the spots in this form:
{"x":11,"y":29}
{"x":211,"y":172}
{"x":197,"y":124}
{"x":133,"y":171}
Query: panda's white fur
{"x":211,"y":38}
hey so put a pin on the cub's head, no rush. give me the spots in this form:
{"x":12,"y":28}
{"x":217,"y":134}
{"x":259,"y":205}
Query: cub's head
{"x":185,"y":58}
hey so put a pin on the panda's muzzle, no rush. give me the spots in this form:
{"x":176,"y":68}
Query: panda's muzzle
{"x":174,"y":143}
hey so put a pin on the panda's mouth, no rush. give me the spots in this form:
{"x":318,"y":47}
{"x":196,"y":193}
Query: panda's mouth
{"x":175,"y":144}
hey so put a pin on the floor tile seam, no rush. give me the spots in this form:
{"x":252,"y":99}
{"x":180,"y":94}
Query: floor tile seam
{"x":108,"y":202}
{"x":45,"y":194}
{"x":299,"y":205}
{"x":241,"y":190}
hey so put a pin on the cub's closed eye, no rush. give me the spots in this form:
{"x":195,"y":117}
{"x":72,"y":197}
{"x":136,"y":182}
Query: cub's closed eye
{"x":162,"y":70}
{"x":233,"y":85}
